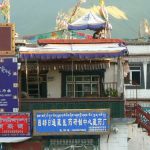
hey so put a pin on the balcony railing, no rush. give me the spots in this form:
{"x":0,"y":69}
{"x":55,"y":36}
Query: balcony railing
{"x":108,"y":98}
{"x":104,"y":90}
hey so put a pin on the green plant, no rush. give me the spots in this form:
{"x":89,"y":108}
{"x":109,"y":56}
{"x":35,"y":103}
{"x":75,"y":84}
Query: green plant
{"x":111,"y":92}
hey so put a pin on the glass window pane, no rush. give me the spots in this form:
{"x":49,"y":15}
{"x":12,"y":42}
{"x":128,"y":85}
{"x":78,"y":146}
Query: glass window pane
{"x":70,"y":94}
{"x":136,"y":78}
{"x":94,"y":87}
{"x":78,"y":87}
{"x":69,"y":78}
{"x":87,"y":93}
{"x":87,"y":78}
{"x":94,"y":93}
{"x":70,"y":87}
{"x":78,"y":78}
{"x":95,"y":78}
{"x":87,"y":87}
{"x":79,"y":94}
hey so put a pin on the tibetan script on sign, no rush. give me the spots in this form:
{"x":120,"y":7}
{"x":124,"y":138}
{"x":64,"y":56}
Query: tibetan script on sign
{"x":9,"y":84}
{"x":15,"y":124}
{"x":76,"y":122}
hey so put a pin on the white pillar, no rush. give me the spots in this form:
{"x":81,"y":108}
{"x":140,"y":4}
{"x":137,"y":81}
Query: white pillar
{"x":120,"y":78}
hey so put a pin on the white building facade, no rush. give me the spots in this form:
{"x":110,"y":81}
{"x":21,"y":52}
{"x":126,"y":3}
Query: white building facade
{"x":137,"y":82}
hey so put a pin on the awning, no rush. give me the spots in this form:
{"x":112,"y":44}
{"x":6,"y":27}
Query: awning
{"x":68,"y":65}
{"x":87,"y":26}
{"x":80,"y":51}
{"x":72,"y":55}
{"x":89,"y":21}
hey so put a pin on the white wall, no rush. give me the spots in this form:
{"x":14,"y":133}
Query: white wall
{"x":139,"y":94}
{"x":111,"y":74}
{"x":128,"y":137}
{"x":145,"y":51}
{"x":138,"y":49}
{"x":115,"y":141}
{"x":53,"y":84}
{"x":139,"y":139}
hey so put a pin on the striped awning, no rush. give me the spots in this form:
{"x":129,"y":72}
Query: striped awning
{"x":67,"y":65}
{"x":80,"y":51}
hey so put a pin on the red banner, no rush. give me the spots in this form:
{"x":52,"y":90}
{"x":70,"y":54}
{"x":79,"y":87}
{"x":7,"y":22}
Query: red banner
{"x":16,"y":124}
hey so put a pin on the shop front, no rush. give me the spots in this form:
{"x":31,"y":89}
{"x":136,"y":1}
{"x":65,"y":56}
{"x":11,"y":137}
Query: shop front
{"x":71,"y":129}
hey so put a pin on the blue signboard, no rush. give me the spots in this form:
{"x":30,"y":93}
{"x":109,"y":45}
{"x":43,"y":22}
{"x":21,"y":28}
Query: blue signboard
{"x":8,"y":84}
{"x":71,"y":122}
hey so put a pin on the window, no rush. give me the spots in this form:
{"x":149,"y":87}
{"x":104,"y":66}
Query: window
{"x":82,"y":85}
{"x":134,"y":76}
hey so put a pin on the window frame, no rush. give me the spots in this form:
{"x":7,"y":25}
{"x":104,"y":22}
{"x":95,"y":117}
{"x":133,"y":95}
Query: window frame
{"x":131,"y":73}
{"x":83,"y":82}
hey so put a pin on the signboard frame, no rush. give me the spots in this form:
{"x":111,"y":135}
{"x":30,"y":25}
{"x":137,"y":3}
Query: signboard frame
{"x":9,"y":93}
{"x":7,"y":30}
{"x":12,"y":116}
{"x":36,"y":133}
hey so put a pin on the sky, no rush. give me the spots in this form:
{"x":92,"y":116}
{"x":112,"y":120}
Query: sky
{"x":38,"y":16}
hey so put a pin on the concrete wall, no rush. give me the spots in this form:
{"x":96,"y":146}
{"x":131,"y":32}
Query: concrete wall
{"x":139,"y":139}
{"x":111,"y":74}
{"x":128,"y":137}
{"x":54,"y":84}
{"x":116,"y":140}
{"x":138,"y":49}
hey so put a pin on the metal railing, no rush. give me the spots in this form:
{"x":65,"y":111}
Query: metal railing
{"x":142,"y":118}
{"x":105,"y":89}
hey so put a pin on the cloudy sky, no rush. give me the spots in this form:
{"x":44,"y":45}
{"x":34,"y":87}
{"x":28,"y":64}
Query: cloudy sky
{"x":38,"y":16}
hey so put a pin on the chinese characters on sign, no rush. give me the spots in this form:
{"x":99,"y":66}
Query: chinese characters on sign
{"x":9,"y":84}
{"x":71,"y":122}
{"x":15,"y":124}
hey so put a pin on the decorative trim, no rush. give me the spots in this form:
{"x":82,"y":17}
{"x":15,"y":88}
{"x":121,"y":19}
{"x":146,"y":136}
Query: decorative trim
{"x":7,"y":37}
